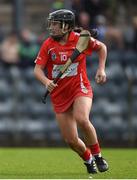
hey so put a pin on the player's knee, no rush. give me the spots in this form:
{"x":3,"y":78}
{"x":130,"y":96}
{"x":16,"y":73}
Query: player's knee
{"x":80,"y":116}
{"x":84,"y":124}
{"x":82,"y":121}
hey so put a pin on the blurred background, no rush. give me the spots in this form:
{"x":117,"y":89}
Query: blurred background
{"x":24,"y":120}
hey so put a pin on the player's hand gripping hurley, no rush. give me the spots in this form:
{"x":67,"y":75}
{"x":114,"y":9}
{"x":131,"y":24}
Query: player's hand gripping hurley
{"x":81,"y":45}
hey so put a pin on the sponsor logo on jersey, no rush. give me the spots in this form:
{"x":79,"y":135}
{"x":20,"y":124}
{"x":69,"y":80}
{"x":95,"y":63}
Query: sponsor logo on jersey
{"x":71,"y":71}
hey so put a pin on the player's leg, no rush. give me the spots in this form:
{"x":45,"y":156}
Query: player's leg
{"x":81,"y":111}
{"x":69,"y":132}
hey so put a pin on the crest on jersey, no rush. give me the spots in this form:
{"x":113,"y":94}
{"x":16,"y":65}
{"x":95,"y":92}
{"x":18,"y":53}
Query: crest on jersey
{"x":53,"y":56}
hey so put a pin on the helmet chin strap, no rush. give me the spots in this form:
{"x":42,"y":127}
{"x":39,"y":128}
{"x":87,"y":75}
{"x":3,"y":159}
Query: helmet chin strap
{"x":63,"y":29}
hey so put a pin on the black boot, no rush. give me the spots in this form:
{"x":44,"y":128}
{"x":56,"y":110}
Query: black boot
{"x":101,"y":163}
{"x":91,"y":168}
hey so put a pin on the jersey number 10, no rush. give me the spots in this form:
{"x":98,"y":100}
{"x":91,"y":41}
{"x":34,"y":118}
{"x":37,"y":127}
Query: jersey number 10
{"x":63,"y":57}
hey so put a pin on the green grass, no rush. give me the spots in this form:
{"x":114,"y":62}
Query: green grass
{"x":62,"y":163}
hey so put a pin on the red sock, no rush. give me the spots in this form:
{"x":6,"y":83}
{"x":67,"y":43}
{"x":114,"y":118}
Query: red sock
{"x":86,"y":155}
{"x":95,"y":149}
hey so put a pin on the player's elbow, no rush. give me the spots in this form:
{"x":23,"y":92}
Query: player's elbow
{"x":102,"y":48}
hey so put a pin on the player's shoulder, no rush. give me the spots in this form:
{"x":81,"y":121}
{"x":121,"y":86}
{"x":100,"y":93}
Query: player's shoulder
{"x":47,"y":43}
{"x":74,"y":36}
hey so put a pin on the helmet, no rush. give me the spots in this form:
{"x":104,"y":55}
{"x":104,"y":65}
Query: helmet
{"x":64,"y":16}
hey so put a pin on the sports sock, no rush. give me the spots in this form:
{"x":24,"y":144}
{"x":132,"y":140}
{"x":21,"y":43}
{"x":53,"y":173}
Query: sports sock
{"x":95,"y":150}
{"x":87,"y":157}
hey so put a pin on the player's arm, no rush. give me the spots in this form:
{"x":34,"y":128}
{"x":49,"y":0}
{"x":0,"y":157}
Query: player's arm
{"x":101,"y":50}
{"x":40,"y":75}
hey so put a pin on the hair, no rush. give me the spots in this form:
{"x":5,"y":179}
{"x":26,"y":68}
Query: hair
{"x":94,"y":32}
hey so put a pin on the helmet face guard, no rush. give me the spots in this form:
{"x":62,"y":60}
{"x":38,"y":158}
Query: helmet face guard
{"x":58,"y":33}
{"x":50,"y":21}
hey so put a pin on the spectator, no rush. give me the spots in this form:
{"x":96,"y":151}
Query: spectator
{"x":112,"y":36}
{"x":94,"y":8}
{"x":101,"y":26}
{"x":135,"y":33}
{"x":28,"y":48}
{"x":84,"y":20}
{"x":9,"y":50}
{"x":77,"y":6}
{"x":58,"y":4}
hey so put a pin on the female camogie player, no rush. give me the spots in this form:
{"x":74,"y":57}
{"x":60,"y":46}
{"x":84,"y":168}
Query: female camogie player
{"x":72,"y":95}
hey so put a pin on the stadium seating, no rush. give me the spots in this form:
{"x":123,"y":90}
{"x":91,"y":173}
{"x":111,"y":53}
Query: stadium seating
{"x":25,"y":120}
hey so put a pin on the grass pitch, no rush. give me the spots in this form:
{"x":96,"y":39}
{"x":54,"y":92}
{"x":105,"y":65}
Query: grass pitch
{"x":59,"y":163}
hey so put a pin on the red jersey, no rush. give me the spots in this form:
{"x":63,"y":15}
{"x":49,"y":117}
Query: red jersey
{"x":74,"y":81}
